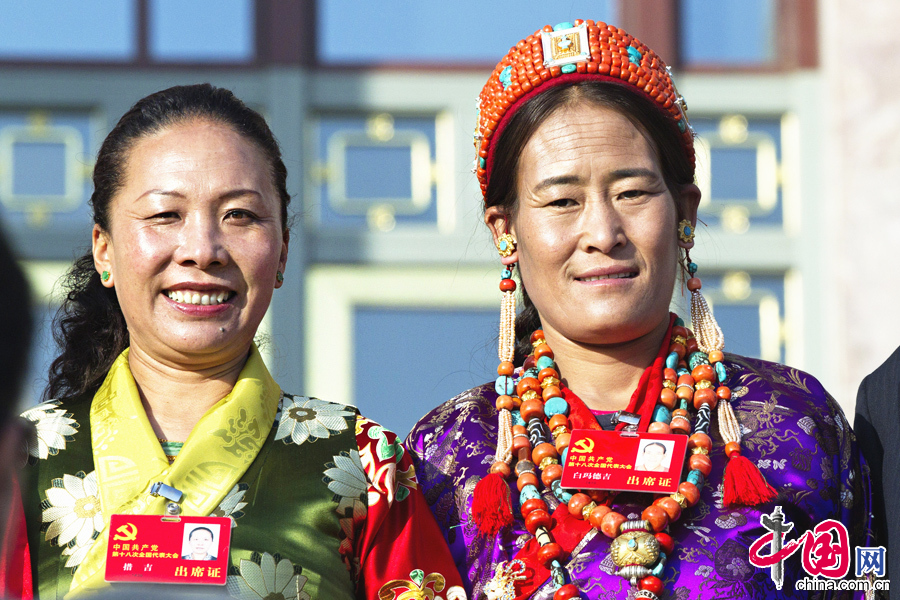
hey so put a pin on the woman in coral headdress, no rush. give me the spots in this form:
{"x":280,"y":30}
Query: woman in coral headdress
{"x":586,"y":164}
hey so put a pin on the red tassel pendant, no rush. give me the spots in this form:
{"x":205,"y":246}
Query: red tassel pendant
{"x":491,"y":505}
{"x":744,"y":484}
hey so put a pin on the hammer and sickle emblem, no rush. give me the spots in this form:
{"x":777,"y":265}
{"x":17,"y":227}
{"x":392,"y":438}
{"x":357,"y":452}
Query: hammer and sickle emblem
{"x":584,"y":446}
{"x":126,"y":532}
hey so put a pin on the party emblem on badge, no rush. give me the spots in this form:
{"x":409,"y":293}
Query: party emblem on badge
{"x":126,"y":532}
{"x":565,"y":46}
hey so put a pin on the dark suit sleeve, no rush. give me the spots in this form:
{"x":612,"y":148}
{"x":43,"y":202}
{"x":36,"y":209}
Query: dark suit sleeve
{"x":870,"y":444}
{"x":877,"y":428}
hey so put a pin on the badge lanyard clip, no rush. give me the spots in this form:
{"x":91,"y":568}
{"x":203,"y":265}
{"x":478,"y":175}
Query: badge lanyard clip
{"x":173,"y":495}
{"x":631,"y":421}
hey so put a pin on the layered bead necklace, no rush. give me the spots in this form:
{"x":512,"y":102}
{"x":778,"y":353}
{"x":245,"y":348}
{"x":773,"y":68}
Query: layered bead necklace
{"x":535,"y":429}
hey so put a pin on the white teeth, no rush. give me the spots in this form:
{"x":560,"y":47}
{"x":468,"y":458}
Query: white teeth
{"x":615,"y":276}
{"x":187,"y":297}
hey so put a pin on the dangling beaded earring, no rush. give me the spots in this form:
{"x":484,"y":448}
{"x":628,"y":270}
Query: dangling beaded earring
{"x":744,"y":484}
{"x":491,"y":503}
{"x":706,"y":329}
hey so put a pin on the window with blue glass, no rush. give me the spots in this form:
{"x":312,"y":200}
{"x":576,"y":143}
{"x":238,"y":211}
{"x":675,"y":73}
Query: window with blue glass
{"x":411,"y":31}
{"x":739,"y":159}
{"x":374,"y":171}
{"x":749,"y":308}
{"x":201,"y":31}
{"x":93,"y":30}
{"x":727,"y":32}
{"x":45,"y":161}
{"x":409,"y":360}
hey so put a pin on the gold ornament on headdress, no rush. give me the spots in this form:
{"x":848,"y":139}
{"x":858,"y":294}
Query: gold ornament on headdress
{"x":568,"y":52}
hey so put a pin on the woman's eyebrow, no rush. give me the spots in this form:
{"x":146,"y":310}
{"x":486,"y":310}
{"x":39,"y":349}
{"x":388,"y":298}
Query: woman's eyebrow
{"x":558,"y":180}
{"x":238,"y":193}
{"x":613,"y":176}
{"x":628,"y":173}
{"x":229,"y":195}
{"x":161,"y":192}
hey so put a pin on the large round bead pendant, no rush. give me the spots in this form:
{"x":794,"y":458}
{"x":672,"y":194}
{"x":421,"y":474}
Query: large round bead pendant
{"x":635,"y":548}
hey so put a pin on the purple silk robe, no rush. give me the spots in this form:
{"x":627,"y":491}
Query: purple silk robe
{"x":792,"y":430}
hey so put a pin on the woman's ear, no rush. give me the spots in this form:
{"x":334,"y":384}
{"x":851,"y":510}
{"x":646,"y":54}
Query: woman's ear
{"x":100,"y":248}
{"x":282,"y":260}
{"x":498,"y":222}
{"x":689,"y":198}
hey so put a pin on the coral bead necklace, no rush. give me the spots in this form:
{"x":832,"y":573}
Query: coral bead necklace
{"x":540,"y":441}
{"x":535,"y":429}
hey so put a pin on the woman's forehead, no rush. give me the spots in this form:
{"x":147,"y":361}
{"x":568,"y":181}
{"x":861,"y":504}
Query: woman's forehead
{"x":197,"y":154}
{"x":181,"y":146}
{"x":581,"y":135}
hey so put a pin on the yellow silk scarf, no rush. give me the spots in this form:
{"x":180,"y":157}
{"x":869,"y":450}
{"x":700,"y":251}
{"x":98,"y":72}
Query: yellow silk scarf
{"x":129,"y":458}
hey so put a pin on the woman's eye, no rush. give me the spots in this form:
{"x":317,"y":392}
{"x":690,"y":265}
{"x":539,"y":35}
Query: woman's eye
{"x":165,"y":216}
{"x":238,"y":214}
{"x":632,"y":194}
{"x":562,"y":202}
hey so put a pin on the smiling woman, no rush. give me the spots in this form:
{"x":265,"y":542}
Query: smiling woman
{"x":160,"y":403}
{"x":586,"y":165}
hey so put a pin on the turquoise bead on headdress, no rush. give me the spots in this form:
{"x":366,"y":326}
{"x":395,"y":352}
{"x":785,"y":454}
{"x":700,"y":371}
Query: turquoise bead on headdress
{"x":634,"y":55}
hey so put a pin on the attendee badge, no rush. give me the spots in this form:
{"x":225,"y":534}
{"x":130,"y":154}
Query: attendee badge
{"x":156,"y":549}
{"x":628,"y":462}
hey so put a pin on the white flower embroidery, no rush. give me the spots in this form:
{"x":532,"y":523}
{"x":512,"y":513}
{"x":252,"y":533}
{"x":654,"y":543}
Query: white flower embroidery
{"x":267,"y":576}
{"x":232,"y":504}
{"x":302,"y":419}
{"x":54,"y":427}
{"x":347,"y":479}
{"x":765,"y":463}
{"x":72,"y":509}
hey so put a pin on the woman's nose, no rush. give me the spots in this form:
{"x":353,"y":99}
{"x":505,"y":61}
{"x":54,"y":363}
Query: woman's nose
{"x":201,"y":243}
{"x":601,"y":227}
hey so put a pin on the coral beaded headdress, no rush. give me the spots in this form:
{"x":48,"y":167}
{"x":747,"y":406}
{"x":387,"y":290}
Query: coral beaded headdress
{"x":567,"y":53}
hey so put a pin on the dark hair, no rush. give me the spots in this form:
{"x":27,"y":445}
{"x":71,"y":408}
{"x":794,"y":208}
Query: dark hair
{"x":676,"y":166}
{"x":15,"y":328}
{"x":660,"y":444}
{"x":196,"y":529}
{"x":89,"y":327}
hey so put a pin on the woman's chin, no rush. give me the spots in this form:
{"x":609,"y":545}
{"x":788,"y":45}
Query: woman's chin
{"x":609,"y":328}
{"x":203,"y":343}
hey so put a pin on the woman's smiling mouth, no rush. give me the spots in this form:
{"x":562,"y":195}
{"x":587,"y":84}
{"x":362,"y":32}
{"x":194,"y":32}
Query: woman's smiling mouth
{"x":204,"y":298}
{"x":629,"y":275}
